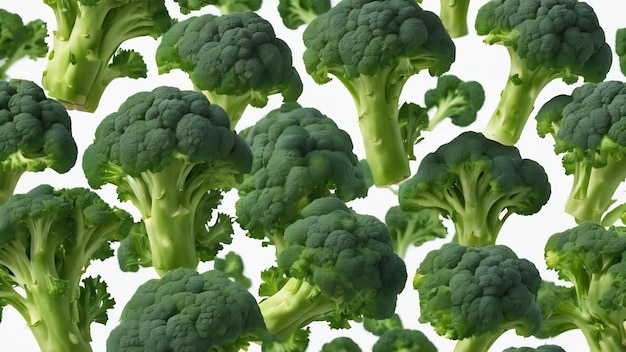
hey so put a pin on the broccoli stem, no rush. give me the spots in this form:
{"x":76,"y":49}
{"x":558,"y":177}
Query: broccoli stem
{"x":8,"y":181}
{"x":479,"y":343}
{"x":294,"y":306}
{"x":516,"y":101}
{"x":593,"y":190}
{"x":453,"y":14}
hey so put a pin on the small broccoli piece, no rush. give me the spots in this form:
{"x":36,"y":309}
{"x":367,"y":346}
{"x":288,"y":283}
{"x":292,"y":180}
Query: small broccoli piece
{"x":475,"y":294}
{"x":477,"y":183}
{"x":35,"y":134}
{"x":593,"y":259}
{"x":225,"y":6}
{"x":297,"y":342}
{"x":588,"y":130}
{"x":542,"y":348}
{"x":232,"y":265}
{"x":299,"y":154}
{"x":453,"y":15}
{"x":296,"y":13}
{"x":86,"y":54}
{"x":413,"y":228}
{"x":620,"y":48}
{"x":48,"y":238}
{"x":373,"y":47}
{"x":172,"y":154}
{"x":341,"y":344}
{"x":546,"y":40}
{"x":459,"y":100}
{"x":412,"y":120}
{"x":341,"y":267}
{"x":380,"y":326}
{"x":403,"y":340}
{"x":20,"y":40}
{"x":236,"y":60}
{"x":188,"y":311}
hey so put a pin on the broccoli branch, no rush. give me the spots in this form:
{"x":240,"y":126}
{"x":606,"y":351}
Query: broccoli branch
{"x":453,"y":15}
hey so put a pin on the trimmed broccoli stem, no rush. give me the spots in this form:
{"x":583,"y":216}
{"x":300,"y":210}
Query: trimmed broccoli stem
{"x":453,"y":15}
{"x":234,"y":105}
{"x":8,"y":182}
{"x":479,"y":343}
{"x":517,"y":101}
{"x":593,"y":190}
{"x":293,"y":307}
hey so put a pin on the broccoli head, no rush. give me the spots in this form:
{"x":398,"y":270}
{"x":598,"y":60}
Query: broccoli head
{"x":588,"y":128}
{"x":340,"y":267}
{"x":171,"y":153}
{"x":542,"y":348}
{"x":475,"y":294}
{"x":85,"y":54}
{"x":296,"y":13}
{"x":20,"y":40}
{"x":477,"y":183}
{"x":341,"y":344}
{"x":459,"y":100}
{"x":299,"y":154}
{"x":593,"y":259}
{"x":48,"y":238}
{"x":401,"y":340}
{"x":225,"y":6}
{"x":620,"y":48}
{"x":35,"y":134}
{"x":236,"y":60}
{"x":188,"y":311}
{"x":373,"y":47}
{"x":413,"y":228}
{"x":546,"y":40}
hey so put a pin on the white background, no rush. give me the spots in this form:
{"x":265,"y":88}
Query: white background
{"x":475,"y":61}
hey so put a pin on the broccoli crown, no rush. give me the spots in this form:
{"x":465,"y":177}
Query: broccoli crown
{"x":225,"y":6}
{"x":399,"y":340}
{"x":563,"y":36}
{"x":35,"y":131}
{"x":542,"y":348}
{"x":299,"y":154}
{"x":235,"y":54}
{"x":295,"y":13}
{"x":19,"y":40}
{"x":413,"y":228}
{"x":188,"y":311}
{"x":367,"y":37}
{"x":347,"y":257}
{"x":620,"y":48}
{"x":469,"y":291}
{"x":379,"y":326}
{"x":454,"y":98}
{"x":341,"y":344}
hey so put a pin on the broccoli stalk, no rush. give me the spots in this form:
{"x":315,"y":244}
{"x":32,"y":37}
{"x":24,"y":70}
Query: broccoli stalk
{"x":86,"y":54}
{"x":453,"y":14}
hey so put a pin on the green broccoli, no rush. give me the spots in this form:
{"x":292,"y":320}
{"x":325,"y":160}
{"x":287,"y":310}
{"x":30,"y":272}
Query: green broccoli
{"x":340,"y":267}
{"x":170,"y":153}
{"x":475,"y":294}
{"x":19,"y":40}
{"x":373,"y":47}
{"x":453,"y":15}
{"x":546,"y":40}
{"x":299,"y":154}
{"x":188,"y":311}
{"x":48,"y":238}
{"x":542,"y":348}
{"x":413,"y":228}
{"x":477,"y":183}
{"x":620,"y":48}
{"x":296,"y":13}
{"x":297,"y":342}
{"x":86,"y":54}
{"x":588,"y":128}
{"x":459,"y":100}
{"x":232,"y":265}
{"x":35,"y":134}
{"x":225,"y":6}
{"x":403,"y":340}
{"x":341,"y":344}
{"x":236,"y":60}
{"x":380,"y":326}
{"x":592,"y":259}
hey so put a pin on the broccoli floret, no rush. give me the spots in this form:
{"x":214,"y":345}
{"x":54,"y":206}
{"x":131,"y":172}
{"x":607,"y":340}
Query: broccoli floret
{"x":188,"y":311}
{"x":20,"y":40}
{"x":297,"y":342}
{"x":341,"y":344}
{"x":477,"y":183}
{"x":296,"y":13}
{"x":172,"y":154}
{"x":373,"y":47}
{"x":546,"y":40}
{"x":35,"y":134}
{"x":542,"y":348}
{"x":403,"y":340}
{"x":299,"y":154}
{"x":413,"y":228}
{"x":86,"y":54}
{"x":412,"y":121}
{"x":380,"y":326}
{"x":588,"y":128}
{"x":236,"y":60}
{"x":593,"y":259}
{"x":225,"y":6}
{"x":455,"y":99}
{"x":453,"y":15}
{"x":232,"y":265}
{"x":620,"y":48}
{"x":475,"y":294}
{"x":48,"y":238}
{"x":340,"y":267}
